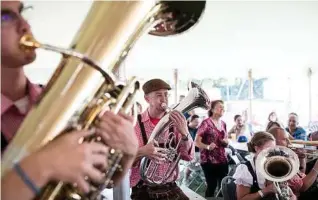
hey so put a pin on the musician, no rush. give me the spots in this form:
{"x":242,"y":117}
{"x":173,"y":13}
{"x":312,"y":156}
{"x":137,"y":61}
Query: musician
{"x":250,"y":184}
{"x":156,"y":94}
{"x":212,"y":139}
{"x":296,"y":132}
{"x":300,"y":182}
{"x":62,"y":159}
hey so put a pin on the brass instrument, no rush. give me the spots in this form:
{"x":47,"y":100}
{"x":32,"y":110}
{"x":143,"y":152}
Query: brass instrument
{"x":309,"y":143}
{"x":84,"y":85}
{"x":278,"y":164}
{"x":149,"y":168}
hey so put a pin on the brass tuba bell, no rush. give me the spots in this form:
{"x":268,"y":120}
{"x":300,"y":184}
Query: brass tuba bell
{"x":196,"y":98}
{"x":84,"y":84}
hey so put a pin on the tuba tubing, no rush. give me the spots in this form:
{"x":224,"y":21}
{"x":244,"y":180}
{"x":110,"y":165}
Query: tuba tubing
{"x":84,"y":84}
{"x":196,"y":98}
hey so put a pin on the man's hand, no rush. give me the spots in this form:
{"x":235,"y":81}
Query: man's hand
{"x":179,"y":122}
{"x":65,"y":159}
{"x":152,"y":151}
{"x":117,"y":131}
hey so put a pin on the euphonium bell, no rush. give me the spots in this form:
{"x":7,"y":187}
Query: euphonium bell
{"x":84,"y":84}
{"x":196,"y":98}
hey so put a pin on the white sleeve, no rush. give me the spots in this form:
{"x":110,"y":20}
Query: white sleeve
{"x":242,"y":176}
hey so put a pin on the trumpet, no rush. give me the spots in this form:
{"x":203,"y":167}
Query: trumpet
{"x":84,"y":85}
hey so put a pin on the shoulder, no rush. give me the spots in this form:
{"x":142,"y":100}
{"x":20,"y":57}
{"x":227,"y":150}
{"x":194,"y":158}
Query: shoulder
{"x":302,"y":130}
{"x":242,"y":176}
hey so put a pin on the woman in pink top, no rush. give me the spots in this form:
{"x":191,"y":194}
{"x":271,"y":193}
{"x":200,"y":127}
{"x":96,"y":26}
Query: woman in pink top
{"x":211,"y":138}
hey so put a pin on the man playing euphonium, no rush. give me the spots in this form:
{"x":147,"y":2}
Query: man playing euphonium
{"x":156,"y":95}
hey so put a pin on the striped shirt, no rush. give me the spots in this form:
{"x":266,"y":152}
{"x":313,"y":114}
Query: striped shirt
{"x":186,"y":150}
{"x":13,"y":113}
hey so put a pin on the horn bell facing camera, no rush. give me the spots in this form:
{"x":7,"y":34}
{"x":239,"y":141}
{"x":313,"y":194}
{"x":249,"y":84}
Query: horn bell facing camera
{"x":84,"y":85}
{"x":278,"y":164}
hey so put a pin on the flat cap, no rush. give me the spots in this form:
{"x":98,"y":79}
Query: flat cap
{"x":154,"y":85}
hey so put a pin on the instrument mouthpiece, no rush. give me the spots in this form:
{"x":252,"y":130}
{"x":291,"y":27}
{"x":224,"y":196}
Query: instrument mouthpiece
{"x":27,"y":41}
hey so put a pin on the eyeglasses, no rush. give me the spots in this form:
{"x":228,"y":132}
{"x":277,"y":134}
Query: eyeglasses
{"x":9,"y":17}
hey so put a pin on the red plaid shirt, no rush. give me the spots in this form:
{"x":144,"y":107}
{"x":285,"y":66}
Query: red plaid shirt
{"x":11,"y":116}
{"x":186,"y":150}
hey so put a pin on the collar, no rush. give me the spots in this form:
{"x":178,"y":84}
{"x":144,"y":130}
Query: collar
{"x":34,"y":91}
{"x":145,"y":115}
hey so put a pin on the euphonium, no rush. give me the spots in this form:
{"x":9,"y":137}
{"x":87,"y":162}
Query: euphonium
{"x":278,"y":164}
{"x":84,"y":85}
{"x":196,"y":98}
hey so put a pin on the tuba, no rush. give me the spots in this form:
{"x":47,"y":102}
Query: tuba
{"x":84,"y":85}
{"x":196,"y":98}
{"x":278,"y":164}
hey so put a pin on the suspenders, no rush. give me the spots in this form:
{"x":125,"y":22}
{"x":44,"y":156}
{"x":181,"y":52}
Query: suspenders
{"x":143,"y":131}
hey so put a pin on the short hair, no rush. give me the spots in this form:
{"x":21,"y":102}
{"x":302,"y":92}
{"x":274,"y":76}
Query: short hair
{"x":292,"y":113}
{"x":274,"y":131}
{"x":193,"y":117}
{"x":236,"y":116}
{"x":213,"y":104}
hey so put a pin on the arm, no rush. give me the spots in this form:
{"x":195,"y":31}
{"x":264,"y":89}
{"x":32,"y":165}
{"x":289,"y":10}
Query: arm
{"x":310,"y":178}
{"x":198,"y":138}
{"x":12,"y":182}
{"x":303,"y":135}
{"x":186,"y":148}
{"x":243,"y":193}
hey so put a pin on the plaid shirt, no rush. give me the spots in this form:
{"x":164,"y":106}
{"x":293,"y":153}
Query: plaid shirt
{"x":186,"y":150}
{"x":11,"y":116}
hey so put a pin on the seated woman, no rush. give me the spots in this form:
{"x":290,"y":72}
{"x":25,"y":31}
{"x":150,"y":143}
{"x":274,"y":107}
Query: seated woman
{"x":272,"y":125}
{"x":250,"y":184}
{"x":300,"y":182}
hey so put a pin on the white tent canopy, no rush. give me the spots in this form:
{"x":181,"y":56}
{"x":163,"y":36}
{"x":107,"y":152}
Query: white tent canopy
{"x":272,"y":38}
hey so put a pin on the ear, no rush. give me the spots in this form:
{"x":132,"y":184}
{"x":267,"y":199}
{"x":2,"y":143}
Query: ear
{"x":257,"y":148}
{"x":146,"y":98}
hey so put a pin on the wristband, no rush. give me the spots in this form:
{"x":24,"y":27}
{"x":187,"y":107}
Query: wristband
{"x":261,"y":193}
{"x":208,"y":147}
{"x":26,"y":179}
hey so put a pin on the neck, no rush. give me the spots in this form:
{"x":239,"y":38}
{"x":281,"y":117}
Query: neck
{"x":192,"y":126}
{"x":13,"y":83}
{"x":292,"y":129}
{"x":154,"y":113}
{"x":215,"y":117}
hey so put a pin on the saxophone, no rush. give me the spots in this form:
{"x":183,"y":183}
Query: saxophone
{"x":84,"y":85}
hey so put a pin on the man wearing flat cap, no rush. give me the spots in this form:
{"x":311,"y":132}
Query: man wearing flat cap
{"x":156,"y":95}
